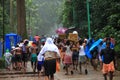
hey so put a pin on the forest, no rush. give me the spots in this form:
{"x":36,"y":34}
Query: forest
{"x":31,"y":17}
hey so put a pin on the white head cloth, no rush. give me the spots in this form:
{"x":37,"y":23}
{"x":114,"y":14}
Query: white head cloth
{"x":49,"y":46}
{"x":75,"y":32}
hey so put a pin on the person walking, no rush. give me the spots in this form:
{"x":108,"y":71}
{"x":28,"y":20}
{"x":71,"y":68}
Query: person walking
{"x":68,"y":58}
{"x":8,"y":57}
{"x":25,"y":50}
{"x":94,"y":59}
{"x":75,"y":55}
{"x":107,"y":56}
{"x":40,"y":65}
{"x":34,"y":50}
{"x":82,"y":57}
{"x":18,"y":57}
{"x":13,"y":58}
{"x":50,"y":52}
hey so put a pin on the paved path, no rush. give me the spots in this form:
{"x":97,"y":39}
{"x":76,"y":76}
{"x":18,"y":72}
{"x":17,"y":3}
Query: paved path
{"x":92,"y":75}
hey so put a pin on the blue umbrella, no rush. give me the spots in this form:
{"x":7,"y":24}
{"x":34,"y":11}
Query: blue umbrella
{"x":95,"y":44}
{"x":88,"y":52}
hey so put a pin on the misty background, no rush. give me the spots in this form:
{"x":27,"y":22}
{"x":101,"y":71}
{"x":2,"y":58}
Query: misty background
{"x":43,"y":17}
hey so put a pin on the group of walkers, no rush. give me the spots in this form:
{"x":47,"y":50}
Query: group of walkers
{"x":70,"y":54}
{"x":21,"y":54}
{"x":75,"y":56}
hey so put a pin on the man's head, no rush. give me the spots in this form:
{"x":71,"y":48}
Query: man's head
{"x":108,"y":43}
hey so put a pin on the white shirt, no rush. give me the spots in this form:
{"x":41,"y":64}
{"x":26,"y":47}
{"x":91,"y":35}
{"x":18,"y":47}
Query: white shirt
{"x":41,"y":58}
{"x":68,"y":51}
{"x":81,"y":51}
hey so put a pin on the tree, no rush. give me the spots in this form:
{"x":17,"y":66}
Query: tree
{"x":67,"y":15}
{"x":75,"y":15}
{"x":21,"y":19}
{"x":105,"y":13}
{"x":11,"y":16}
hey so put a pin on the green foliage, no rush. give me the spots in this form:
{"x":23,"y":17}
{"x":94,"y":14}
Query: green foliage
{"x":2,"y":63}
{"x":105,"y":32}
{"x":5,"y":16}
{"x":67,"y":16}
{"x":106,"y":19}
{"x":40,"y":14}
{"x":109,"y":31}
{"x":74,"y":13}
{"x":114,"y":20}
{"x":105,"y":13}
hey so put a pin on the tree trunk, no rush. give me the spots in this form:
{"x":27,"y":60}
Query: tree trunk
{"x":21,"y":19}
{"x":11,"y":16}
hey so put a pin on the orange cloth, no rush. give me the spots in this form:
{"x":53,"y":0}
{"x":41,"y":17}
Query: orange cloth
{"x":57,"y":66}
{"x":108,"y":67}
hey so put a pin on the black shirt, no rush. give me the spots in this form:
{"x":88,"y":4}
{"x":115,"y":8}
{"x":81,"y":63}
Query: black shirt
{"x":108,"y":55}
{"x":94,"y":53}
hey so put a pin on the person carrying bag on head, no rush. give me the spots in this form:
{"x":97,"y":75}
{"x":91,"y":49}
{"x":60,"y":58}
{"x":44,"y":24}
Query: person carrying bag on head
{"x":51,"y":54}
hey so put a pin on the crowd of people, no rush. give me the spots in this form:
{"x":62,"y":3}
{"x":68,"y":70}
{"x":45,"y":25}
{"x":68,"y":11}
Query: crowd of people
{"x":45,"y":55}
{"x":20,"y":54}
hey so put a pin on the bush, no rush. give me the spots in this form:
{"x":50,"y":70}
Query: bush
{"x":118,"y":64}
{"x":118,"y":60}
{"x":2,"y":63}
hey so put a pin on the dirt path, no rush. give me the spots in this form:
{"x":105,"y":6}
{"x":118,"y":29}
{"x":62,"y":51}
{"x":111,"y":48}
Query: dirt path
{"x":29,"y":75}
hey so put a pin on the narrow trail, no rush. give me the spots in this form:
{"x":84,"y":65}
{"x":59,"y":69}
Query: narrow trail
{"x":30,"y":75}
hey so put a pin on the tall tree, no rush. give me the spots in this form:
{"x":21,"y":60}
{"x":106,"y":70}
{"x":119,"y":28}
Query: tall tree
{"x":21,"y":19}
{"x":11,"y":15}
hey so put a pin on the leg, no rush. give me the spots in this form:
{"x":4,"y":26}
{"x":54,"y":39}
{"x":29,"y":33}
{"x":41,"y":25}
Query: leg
{"x":46,"y":78}
{"x":35,"y":65}
{"x":52,"y":77}
{"x":24,"y":66}
{"x":76,"y":64}
{"x":85,"y":66}
{"x":101,"y":64}
{"x":13,"y":65}
{"x":91,"y":61}
{"x":105,"y":76}
{"x":80,"y":67}
{"x":66,"y":68}
{"x":32,"y":64}
{"x":73,"y":64}
{"x":70,"y":68}
{"x":19,"y":65}
{"x":38,"y":69}
{"x":94,"y":64}
{"x":38,"y":73}
{"x":111,"y":76}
